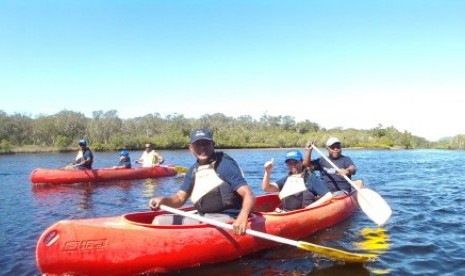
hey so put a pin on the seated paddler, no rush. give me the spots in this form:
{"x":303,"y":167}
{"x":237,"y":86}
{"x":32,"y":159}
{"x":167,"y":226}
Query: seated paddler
{"x":215,"y":185}
{"x":300,"y":188}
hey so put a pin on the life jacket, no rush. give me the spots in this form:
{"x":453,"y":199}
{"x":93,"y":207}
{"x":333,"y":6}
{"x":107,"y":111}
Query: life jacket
{"x":295,"y":194}
{"x":80,"y":158}
{"x":148,"y":158}
{"x":210,"y":193}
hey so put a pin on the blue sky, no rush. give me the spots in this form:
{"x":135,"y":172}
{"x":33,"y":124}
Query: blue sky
{"x":350,"y":64}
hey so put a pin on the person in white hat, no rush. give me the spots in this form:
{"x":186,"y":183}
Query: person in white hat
{"x":330,"y":176}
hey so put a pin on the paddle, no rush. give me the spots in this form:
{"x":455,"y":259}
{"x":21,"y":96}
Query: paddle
{"x":371,"y":203}
{"x":332,"y":253}
{"x":180,"y":169}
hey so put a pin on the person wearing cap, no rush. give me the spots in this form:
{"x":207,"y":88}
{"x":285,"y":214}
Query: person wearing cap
{"x":300,"y":188}
{"x":124,"y":160}
{"x":331,"y":177}
{"x":84,"y":158}
{"x":150,"y":157}
{"x":214,"y":184}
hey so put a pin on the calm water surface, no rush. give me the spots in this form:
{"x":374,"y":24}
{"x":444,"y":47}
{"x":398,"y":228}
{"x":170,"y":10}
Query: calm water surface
{"x":425,"y":235}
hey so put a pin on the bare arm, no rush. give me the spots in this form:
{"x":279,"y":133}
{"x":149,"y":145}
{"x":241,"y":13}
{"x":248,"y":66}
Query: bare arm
{"x":266,"y":185}
{"x":321,"y":201}
{"x":159,"y":158}
{"x":177,"y":200}
{"x":349,"y":171}
{"x":248,"y":200}
{"x":307,"y":162}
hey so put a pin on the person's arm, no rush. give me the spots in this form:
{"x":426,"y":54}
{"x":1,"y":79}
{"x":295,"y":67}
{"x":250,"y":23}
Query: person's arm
{"x":177,"y":200}
{"x":350,"y":168}
{"x":160,"y":158}
{"x":307,"y":162}
{"x":321,"y":201}
{"x":266,"y":185}
{"x":141,"y":158}
{"x":248,"y":200}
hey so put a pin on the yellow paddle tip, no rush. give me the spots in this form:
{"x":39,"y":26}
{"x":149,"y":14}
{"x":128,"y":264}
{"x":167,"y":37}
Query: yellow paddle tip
{"x":337,"y":254}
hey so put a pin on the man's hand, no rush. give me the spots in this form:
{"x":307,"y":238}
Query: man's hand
{"x":155,"y":203}
{"x":269,"y":165}
{"x":309,"y":145}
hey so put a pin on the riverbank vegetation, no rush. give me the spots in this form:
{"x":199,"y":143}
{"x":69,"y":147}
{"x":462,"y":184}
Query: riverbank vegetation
{"x":106,"y":131}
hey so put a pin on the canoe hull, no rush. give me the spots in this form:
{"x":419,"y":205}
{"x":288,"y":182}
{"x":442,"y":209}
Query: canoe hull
{"x":60,"y":176}
{"x":129,"y":244}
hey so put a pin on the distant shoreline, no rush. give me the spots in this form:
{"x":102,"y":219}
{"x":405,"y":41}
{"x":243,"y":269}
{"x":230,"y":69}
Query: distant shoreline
{"x":38,"y":149}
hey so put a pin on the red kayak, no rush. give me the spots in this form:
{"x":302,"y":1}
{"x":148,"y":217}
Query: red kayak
{"x":130,"y":244}
{"x":61,"y":176}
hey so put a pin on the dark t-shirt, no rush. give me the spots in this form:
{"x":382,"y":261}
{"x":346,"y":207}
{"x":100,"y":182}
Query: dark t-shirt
{"x":333,"y":180}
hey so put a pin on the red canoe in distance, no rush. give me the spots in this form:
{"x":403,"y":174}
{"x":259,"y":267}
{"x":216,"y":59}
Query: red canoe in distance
{"x":61,"y":176}
{"x":130,"y":245}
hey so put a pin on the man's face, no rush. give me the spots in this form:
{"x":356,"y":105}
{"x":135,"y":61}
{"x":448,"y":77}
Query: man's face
{"x":335,"y":150}
{"x":202,"y":150}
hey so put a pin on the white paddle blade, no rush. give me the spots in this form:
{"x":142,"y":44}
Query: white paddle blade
{"x":374,"y":206}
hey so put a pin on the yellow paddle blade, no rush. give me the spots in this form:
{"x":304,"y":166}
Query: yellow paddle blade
{"x":374,"y":240}
{"x":337,"y":254}
{"x":180,"y":169}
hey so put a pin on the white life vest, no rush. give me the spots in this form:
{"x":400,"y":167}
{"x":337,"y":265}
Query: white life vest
{"x":147,"y":158}
{"x":294,"y":184}
{"x":79,"y":155}
{"x":206,"y":180}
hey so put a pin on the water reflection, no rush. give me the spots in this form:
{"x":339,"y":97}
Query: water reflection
{"x":374,"y":240}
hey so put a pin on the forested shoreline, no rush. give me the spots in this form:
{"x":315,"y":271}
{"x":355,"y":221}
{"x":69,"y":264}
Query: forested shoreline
{"x":106,"y":131}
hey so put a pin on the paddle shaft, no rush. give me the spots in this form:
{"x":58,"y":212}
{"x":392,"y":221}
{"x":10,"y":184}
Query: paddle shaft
{"x":229,"y":226}
{"x":321,"y":250}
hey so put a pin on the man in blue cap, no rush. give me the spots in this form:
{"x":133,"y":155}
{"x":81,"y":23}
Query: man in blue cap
{"x":300,"y":188}
{"x":84,"y":158}
{"x":215,"y":185}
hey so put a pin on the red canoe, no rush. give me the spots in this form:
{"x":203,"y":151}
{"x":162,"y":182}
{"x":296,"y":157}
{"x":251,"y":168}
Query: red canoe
{"x":129,"y":244}
{"x":61,"y":176}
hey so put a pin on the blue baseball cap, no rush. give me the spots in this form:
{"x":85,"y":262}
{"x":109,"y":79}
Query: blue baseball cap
{"x":201,"y":134}
{"x":294,"y":155}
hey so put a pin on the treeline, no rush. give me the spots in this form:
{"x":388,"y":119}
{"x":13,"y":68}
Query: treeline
{"x":106,"y":131}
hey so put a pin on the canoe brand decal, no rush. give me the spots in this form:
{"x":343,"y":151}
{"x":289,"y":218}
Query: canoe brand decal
{"x":85,"y":245}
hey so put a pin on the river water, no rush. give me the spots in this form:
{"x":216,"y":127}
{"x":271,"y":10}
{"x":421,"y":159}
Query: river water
{"x":424,"y":236}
